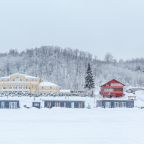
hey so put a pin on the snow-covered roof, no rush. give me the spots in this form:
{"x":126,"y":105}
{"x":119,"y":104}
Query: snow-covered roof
{"x":19,"y":74}
{"x":48,"y":84}
{"x":25,"y":75}
{"x":31,"y":77}
{"x":65,"y":91}
{"x":112,"y":81}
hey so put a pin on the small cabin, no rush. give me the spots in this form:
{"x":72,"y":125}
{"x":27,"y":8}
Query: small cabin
{"x":115,"y":103}
{"x":9,"y":104}
{"x":36,"y":104}
{"x":112,"y":88}
{"x":64,"y":104}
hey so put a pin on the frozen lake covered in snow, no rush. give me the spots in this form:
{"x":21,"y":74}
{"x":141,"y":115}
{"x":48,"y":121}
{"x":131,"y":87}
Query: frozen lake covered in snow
{"x":72,"y":126}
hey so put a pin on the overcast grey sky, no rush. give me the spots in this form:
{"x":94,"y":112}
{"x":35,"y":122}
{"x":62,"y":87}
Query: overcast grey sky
{"x":97,"y":26}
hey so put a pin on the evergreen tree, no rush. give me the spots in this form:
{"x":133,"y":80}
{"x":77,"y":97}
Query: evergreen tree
{"x":89,"y":81}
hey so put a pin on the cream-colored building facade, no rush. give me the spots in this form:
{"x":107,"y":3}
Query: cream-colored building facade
{"x":18,"y":82}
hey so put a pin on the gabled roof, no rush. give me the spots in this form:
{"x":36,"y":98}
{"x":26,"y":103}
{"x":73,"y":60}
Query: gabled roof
{"x":111,"y":82}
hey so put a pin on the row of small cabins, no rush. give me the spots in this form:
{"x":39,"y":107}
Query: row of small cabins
{"x":15,"y":104}
{"x":110,"y":92}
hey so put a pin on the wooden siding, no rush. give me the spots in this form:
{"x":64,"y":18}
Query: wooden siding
{"x":112,"y":88}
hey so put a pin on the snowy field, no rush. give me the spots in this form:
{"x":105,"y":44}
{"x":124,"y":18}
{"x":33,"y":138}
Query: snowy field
{"x":72,"y":126}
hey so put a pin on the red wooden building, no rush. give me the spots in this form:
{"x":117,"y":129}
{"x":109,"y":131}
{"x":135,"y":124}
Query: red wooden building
{"x":112,"y":88}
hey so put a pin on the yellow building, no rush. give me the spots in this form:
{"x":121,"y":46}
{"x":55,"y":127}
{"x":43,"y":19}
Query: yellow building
{"x":24,"y":83}
{"x":45,"y":87}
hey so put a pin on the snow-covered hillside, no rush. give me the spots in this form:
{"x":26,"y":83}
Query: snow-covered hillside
{"x":67,"y":67}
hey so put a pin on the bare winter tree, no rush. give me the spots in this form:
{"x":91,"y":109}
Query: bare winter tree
{"x":109,"y":58}
{"x":67,"y":67}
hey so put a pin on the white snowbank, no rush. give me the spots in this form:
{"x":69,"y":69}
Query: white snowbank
{"x":72,"y":126}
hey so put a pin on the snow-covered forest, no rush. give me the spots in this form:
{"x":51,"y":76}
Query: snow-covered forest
{"x":67,"y":67}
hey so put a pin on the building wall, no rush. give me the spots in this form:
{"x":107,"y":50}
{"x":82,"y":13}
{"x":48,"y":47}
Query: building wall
{"x":9,"y":104}
{"x":66,"y":104}
{"x":112,"y":88}
{"x":46,"y":89}
{"x":115,"y":103}
{"x":23,"y":83}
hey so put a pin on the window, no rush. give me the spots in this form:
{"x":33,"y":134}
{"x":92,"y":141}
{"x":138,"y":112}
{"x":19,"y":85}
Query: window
{"x":123,"y":104}
{"x":2,"y":104}
{"x":49,"y":104}
{"x":108,"y":104}
{"x":12,"y":105}
{"x":118,"y":89}
{"x":116,"y":84}
{"x":57,"y":104}
{"x":17,"y":79}
{"x":108,"y":90}
{"x":36,"y":104}
{"x":116,"y":104}
{"x":80,"y":105}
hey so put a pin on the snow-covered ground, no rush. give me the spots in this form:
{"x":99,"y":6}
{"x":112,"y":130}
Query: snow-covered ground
{"x":72,"y":126}
{"x":26,"y":100}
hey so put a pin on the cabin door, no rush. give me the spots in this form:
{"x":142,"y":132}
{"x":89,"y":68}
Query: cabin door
{"x":2,"y":104}
{"x":72,"y":105}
